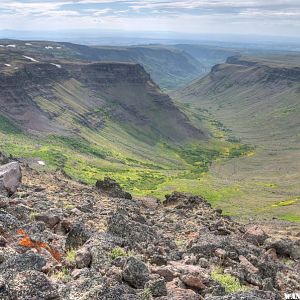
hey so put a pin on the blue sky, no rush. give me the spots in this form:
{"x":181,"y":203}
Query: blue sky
{"x":264,"y":17}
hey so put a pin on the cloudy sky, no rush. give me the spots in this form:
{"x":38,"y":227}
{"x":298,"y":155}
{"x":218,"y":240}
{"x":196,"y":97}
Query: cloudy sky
{"x":264,"y":17}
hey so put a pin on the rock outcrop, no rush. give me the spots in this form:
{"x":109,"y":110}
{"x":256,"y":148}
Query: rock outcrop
{"x":101,"y":247}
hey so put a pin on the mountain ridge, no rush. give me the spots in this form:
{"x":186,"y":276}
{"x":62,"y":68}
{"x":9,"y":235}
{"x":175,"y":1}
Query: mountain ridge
{"x":257,"y":101}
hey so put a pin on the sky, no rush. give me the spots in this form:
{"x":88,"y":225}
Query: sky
{"x":262,"y":17}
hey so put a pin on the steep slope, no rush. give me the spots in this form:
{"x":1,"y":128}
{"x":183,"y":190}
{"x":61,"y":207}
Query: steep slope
{"x":38,"y":94}
{"x":256,"y":100}
{"x":94,"y":119}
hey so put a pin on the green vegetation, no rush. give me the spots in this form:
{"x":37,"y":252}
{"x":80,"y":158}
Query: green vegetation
{"x":179,"y":243}
{"x":147,"y":294}
{"x":8,"y":127}
{"x":70,"y":255}
{"x":63,"y":275}
{"x":236,"y":107}
{"x":229,"y":282}
{"x":118,"y":252}
{"x":290,"y":218}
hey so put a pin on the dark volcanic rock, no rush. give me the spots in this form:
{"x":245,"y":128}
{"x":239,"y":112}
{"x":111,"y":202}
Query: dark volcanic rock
{"x":157,"y":287}
{"x":20,"y":263}
{"x":122,"y":225}
{"x":183,"y":201}
{"x":135,"y":272}
{"x":284,"y":247}
{"x":77,"y":237}
{"x":112,"y":188}
{"x":31,"y":285}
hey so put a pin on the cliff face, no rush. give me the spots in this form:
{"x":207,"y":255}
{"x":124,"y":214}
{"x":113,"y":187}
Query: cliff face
{"x":37,"y":95}
{"x":240,"y":73}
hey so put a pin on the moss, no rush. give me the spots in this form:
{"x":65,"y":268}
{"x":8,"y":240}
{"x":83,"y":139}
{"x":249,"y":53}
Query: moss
{"x":70,"y":255}
{"x":179,"y":243}
{"x":118,"y":252}
{"x":230,"y":283}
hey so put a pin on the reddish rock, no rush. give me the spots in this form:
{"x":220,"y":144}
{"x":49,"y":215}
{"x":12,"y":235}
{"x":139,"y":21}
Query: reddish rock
{"x":256,"y":235}
{"x":193,"y":281}
{"x":248,"y":265}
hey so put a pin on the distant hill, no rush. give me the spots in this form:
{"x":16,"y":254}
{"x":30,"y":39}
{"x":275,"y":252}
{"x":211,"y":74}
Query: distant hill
{"x":257,"y":100}
{"x":208,"y":55}
{"x":169,"y":66}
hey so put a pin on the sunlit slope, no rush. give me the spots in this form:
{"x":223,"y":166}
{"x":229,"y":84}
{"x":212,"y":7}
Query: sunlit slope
{"x":258,"y":101}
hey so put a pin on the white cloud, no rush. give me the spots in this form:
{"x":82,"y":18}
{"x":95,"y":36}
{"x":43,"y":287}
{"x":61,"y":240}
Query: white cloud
{"x":195,"y":16}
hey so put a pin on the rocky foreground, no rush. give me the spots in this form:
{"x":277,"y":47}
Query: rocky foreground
{"x":61,"y":239}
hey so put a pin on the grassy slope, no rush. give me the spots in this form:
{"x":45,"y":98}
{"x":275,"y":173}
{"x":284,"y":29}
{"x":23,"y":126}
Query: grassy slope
{"x":120,"y":151}
{"x":266,"y":116}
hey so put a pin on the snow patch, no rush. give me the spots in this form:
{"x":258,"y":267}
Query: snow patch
{"x":28,"y":44}
{"x":11,"y":46}
{"x":56,"y":65}
{"x":2,"y":46}
{"x":58,"y":47}
{"x":42,"y":163}
{"x":30,"y":58}
{"x":48,"y":47}
{"x":7,"y":65}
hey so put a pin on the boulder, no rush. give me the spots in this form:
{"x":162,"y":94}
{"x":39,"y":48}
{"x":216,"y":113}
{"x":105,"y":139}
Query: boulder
{"x":10,"y":177}
{"x":20,"y":263}
{"x":30,"y":285}
{"x":8,"y":221}
{"x":122,"y":225}
{"x":135,"y":273}
{"x":182,"y":200}
{"x":83,"y":258}
{"x":255,"y":235}
{"x":284,"y":247}
{"x":77,"y":236}
{"x":192,"y":281}
{"x":49,"y":219}
{"x":112,"y":188}
{"x":248,"y":265}
{"x":157,"y":287}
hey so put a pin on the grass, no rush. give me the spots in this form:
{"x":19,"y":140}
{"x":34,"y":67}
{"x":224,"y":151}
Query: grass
{"x":265,"y":123}
{"x":63,"y":275}
{"x":225,"y":169}
{"x":290,"y":218}
{"x":8,"y":127}
{"x":230,"y":283}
